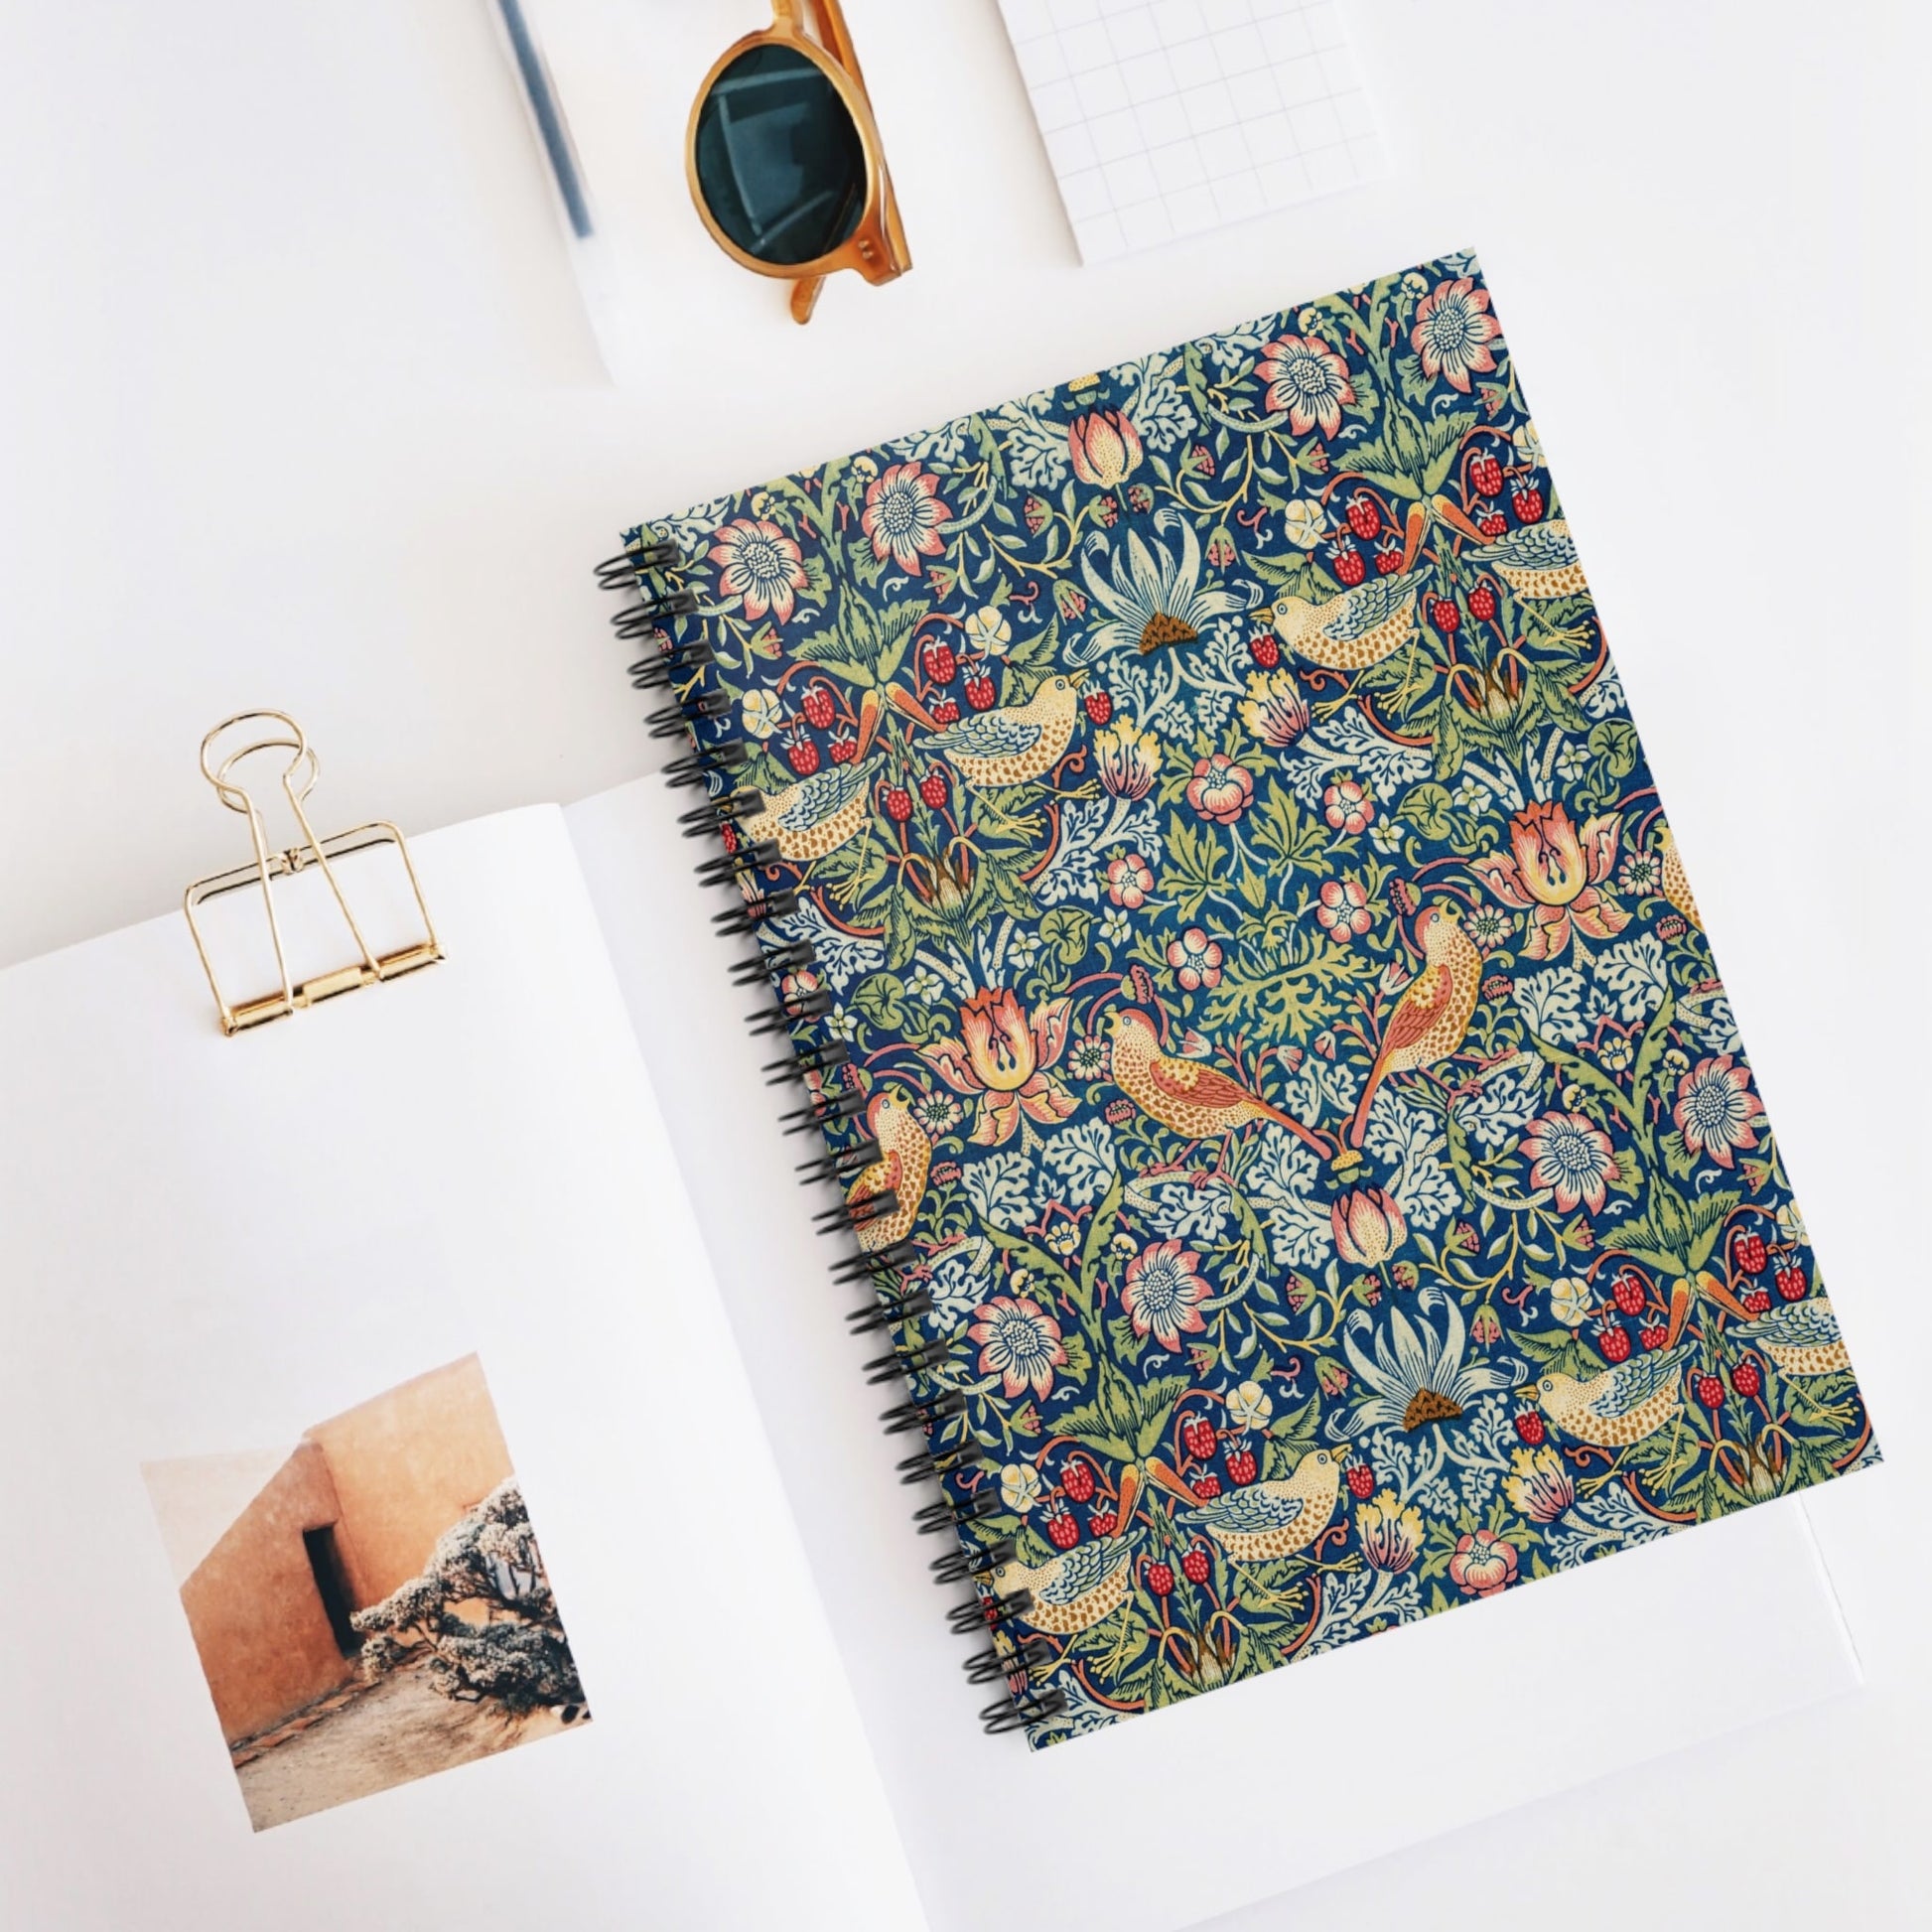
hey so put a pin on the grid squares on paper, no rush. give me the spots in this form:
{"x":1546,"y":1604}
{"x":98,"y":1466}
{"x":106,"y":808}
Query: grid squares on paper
{"x":1165,"y":118}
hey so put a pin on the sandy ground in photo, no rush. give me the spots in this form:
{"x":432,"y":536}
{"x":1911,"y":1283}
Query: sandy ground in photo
{"x":394,"y":1731}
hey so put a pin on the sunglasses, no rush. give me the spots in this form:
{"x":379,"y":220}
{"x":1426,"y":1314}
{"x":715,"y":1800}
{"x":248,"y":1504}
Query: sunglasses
{"x":784,"y":158}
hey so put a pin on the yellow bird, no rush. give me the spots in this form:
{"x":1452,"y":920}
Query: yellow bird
{"x":1434,"y":1013}
{"x":1191,"y":1098}
{"x":1620,"y":1405}
{"x":1676,"y":882}
{"x":1267,"y":1519}
{"x":1802,"y":1338}
{"x":815,"y":816}
{"x":1538,"y":560}
{"x":1083,"y":1586}
{"x":1011,"y":745}
{"x":1359,"y":626}
{"x":904,"y":1158}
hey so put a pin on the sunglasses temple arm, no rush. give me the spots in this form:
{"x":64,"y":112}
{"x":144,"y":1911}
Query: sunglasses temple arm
{"x":804,"y":297}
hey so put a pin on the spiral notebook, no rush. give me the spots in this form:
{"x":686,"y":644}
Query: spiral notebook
{"x":1291,"y":1129}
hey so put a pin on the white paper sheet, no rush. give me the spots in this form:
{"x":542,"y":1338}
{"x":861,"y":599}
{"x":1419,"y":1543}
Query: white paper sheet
{"x":206,"y":1244}
{"x":1307,"y":1770}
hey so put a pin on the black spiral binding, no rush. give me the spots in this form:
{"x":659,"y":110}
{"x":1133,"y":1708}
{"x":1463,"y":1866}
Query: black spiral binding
{"x":663,"y":618}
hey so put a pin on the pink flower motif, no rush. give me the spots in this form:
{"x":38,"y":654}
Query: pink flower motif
{"x":1483,"y":1563}
{"x":1163,"y":1293}
{"x":1002,"y":1057}
{"x":1104,"y":446}
{"x":1715,"y":1108}
{"x":1196,"y":959}
{"x":1453,"y":333}
{"x":1346,"y":806}
{"x":1572,"y":1157}
{"x":1343,"y":910}
{"x":1308,"y":379}
{"x":759,"y":564}
{"x":1128,"y":881}
{"x":1020,"y":1342}
{"x":1368,"y":1226}
{"x":1221,"y":789}
{"x":1554,"y":870}
{"x":903,"y":515}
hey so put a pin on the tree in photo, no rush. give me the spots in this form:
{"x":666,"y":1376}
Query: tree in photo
{"x":510,"y":1651}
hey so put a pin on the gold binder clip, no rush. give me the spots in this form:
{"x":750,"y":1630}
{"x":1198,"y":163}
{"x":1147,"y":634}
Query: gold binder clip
{"x":298,"y":781}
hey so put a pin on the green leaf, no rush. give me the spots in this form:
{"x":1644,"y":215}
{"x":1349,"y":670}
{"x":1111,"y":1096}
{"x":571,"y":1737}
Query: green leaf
{"x":882,"y":999}
{"x":1065,"y":931}
{"x":1428,"y":810}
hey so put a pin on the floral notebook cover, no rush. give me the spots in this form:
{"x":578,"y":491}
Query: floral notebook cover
{"x":1296,"y":1056}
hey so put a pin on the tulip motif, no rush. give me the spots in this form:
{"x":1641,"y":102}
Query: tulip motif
{"x":1105,"y":446}
{"x":1368,"y":1226}
{"x":1554,"y":871}
{"x":1001,"y":1058}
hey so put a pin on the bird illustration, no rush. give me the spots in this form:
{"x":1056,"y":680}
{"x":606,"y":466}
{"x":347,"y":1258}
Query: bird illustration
{"x":1360,"y":627}
{"x":1535,"y":560}
{"x":904,"y":1157}
{"x":1191,"y":1098}
{"x":1620,"y":1405}
{"x":1011,"y":745}
{"x":815,"y":816}
{"x":1676,"y":882}
{"x":1802,"y":1338}
{"x":1266,"y":1519}
{"x":1433,"y":1012}
{"x":1083,"y":1586}
{"x":821,"y":812}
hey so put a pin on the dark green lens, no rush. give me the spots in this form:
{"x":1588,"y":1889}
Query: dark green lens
{"x":780,"y":164}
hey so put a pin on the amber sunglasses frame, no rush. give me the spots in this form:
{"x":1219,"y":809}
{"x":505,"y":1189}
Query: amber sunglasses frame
{"x":876,"y":247}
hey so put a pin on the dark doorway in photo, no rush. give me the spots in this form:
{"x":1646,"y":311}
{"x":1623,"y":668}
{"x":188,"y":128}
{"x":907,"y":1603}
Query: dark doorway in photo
{"x":331,"y":1581}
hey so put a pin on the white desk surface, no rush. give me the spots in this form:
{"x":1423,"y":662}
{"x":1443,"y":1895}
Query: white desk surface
{"x":298,"y":407}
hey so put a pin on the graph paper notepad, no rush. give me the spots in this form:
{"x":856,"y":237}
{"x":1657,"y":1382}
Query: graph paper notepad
{"x":1168,"y":117}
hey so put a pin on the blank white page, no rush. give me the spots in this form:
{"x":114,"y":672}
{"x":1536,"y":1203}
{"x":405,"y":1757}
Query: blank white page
{"x":1170,"y":118}
{"x":208,"y":1243}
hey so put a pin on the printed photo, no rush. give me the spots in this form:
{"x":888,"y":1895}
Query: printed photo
{"x":367,"y":1599}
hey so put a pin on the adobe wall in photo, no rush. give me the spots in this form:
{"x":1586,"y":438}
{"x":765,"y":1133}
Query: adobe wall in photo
{"x":353,"y":1511}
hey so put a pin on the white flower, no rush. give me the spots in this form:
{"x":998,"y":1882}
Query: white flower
{"x":761,"y":713}
{"x":1386,"y":836}
{"x":1472,"y":798}
{"x":1249,"y":1406}
{"x":987,"y":630}
{"x":1020,"y":1486}
{"x":924,"y":984}
{"x":1571,"y":1300}
{"x":1305,"y":523}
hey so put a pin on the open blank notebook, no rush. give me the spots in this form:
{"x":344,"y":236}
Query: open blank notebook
{"x":1170,"y":118}
{"x":269,"y":1303}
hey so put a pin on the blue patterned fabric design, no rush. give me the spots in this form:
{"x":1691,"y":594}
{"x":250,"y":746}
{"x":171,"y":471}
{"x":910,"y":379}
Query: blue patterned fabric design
{"x":1291,"y":1038}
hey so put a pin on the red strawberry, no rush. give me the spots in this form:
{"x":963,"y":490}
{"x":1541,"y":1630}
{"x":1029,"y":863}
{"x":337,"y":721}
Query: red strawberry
{"x":1198,"y":1434}
{"x":1791,"y":1281}
{"x":1747,"y":1378}
{"x":1528,"y":1427}
{"x":1361,"y":1481}
{"x":1363,"y":517}
{"x":802,"y":758}
{"x":1207,"y":1488}
{"x":1241,"y":1466}
{"x":1388,"y":560}
{"x":817,"y":707}
{"x":1447,"y":616}
{"x":1492,"y":523}
{"x":1103,"y":1522}
{"x":979,"y":691}
{"x":1348,"y":563}
{"x":898,"y":802}
{"x":1036,"y":513}
{"x":945,"y":711}
{"x":1063,"y":1532}
{"x":1654,"y":1333}
{"x":1194,"y":1566}
{"x":1757,"y":1301}
{"x":1486,"y":474}
{"x":1627,"y":1293}
{"x":1099,"y":706}
{"x":1614,"y":1343}
{"x":1526,"y":500}
{"x":1265,"y":650}
{"x":1483,"y":603}
{"x":728,"y":836}
{"x":940,"y":663}
{"x":1078,"y":1480}
{"x":1160,"y":1579}
{"x":1201,"y":458}
{"x":1750,"y":1253}
{"x":844,"y":749}
{"x":1710,"y":1391}
{"x":933,"y":788}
